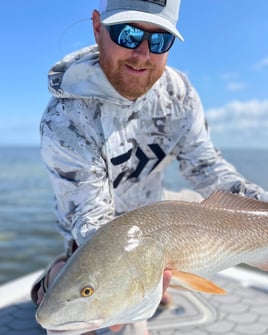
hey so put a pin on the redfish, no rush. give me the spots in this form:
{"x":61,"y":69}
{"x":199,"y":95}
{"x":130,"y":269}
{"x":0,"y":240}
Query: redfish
{"x":116,"y":277}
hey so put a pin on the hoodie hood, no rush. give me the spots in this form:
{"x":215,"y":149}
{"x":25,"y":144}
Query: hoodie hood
{"x":79,"y":75}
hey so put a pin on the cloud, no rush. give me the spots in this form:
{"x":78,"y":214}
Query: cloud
{"x":240,"y":124}
{"x":261,"y":64}
{"x":232,"y":81}
{"x":229,"y":76}
{"x":236,"y":86}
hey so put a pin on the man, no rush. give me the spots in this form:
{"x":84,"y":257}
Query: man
{"x":118,"y":116}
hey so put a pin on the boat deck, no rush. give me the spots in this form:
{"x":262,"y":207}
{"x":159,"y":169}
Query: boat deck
{"x":243,"y":311}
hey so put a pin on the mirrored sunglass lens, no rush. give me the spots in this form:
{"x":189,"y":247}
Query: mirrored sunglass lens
{"x":130,"y":37}
{"x":161,"y":42}
{"x":157,"y":42}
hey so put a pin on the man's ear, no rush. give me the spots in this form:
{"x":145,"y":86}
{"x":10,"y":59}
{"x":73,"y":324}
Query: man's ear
{"x":96,"y":25}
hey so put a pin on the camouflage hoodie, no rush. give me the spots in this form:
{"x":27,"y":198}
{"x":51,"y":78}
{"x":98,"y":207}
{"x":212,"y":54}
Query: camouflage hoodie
{"x":106,"y":155}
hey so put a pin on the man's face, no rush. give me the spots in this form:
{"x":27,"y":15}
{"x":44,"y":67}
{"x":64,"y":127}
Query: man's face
{"x":132,"y":72}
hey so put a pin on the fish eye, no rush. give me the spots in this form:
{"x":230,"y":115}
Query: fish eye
{"x":87,"y":291}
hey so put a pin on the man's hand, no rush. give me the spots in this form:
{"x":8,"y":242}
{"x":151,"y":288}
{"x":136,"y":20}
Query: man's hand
{"x":166,"y":280}
{"x":51,"y":276}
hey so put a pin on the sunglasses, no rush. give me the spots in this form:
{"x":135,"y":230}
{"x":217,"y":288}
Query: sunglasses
{"x":131,"y":37}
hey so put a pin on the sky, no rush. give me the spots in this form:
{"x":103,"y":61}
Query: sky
{"x":225,"y":56}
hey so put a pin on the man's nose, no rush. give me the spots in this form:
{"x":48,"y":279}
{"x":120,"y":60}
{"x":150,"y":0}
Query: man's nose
{"x":143,"y":50}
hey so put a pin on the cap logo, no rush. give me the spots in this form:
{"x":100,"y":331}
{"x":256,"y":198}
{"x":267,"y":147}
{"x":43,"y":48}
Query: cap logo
{"x":162,"y":3}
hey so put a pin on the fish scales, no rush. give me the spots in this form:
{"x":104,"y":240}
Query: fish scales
{"x":190,"y":233}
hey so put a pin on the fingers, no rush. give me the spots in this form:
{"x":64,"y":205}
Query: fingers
{"x":166,"y":279}
{"x":54,"y":271}
{"x":51,"y":276}
{"x":40,"y":295}
{"x":116,"y":328}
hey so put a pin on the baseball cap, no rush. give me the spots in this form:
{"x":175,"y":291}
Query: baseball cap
{"x":163,"y":13}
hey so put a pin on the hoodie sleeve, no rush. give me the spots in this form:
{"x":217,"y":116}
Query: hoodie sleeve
{"x":77,"y":170}
{"x":204,"y":166}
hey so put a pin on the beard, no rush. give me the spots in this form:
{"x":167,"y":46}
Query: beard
{"x":130,"y":77}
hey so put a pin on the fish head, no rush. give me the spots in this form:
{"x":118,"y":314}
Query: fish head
{"x":104,"y":284}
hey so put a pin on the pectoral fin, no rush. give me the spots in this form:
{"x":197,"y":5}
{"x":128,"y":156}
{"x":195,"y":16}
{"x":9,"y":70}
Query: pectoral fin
{"x":193,"y":282}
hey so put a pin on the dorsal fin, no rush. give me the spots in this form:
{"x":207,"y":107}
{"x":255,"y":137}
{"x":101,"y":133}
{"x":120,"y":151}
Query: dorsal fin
{"x":221,"y":199}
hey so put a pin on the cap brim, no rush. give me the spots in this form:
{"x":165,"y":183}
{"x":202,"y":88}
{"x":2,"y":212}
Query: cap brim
{"x":110,"y":18}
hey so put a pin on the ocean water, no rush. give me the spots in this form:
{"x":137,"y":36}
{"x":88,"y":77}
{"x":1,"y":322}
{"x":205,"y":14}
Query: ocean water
{"x":28,"y":234}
